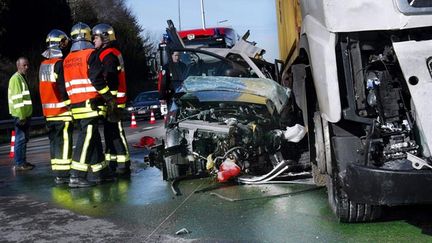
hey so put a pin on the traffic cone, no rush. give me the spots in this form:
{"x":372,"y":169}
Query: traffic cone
{"x":152,"y":118}
{"x":12,"y":145}
{"x":133,"y":122}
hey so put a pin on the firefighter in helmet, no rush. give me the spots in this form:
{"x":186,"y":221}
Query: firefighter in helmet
{"x":55,"y":105}
{"x":89,"y":96}
{"x":113,"y":72}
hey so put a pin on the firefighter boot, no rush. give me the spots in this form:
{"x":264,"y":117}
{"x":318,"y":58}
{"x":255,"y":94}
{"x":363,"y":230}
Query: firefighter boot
{"x":77,"y":180}
{"x":61,"y":180}
{"x":61,"y":177}
{"x":102,"y":176}
{"x":124,"y":171}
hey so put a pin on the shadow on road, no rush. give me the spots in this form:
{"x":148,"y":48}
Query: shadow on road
{"x":419,"y":216}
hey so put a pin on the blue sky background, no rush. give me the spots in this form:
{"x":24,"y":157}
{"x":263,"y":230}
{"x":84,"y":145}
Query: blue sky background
{"x":257,"y":15}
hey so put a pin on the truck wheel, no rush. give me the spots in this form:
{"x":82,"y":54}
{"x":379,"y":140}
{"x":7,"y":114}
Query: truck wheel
{"x":174,"y":167}
{"x":346,"y":210}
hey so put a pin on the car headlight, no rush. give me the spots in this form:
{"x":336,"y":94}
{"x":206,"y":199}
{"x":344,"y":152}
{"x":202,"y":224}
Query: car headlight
{"x":130,"y":109}
{"x":154,"y":106}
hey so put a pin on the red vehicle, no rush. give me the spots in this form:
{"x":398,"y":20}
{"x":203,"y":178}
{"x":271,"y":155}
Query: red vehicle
{"x":211,"y":37}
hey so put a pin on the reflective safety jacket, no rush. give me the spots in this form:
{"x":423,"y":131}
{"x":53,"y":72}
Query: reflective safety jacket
{"x":20,"y":104}
{"x":120,"y":92}
{"x":78,"y":85}
{"x":83,"y":85}
{"x":52,"y":91}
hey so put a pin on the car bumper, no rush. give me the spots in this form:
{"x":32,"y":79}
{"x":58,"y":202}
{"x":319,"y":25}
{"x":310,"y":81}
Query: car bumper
{"x":388,"y":187}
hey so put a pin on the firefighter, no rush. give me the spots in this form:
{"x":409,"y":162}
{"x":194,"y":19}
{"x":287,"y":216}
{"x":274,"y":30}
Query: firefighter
{"x":55,"y":103}
{"x":90,"y":99}
{"x":116,"y":148}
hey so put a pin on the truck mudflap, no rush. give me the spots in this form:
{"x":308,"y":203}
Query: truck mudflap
{"x":377,"y":186}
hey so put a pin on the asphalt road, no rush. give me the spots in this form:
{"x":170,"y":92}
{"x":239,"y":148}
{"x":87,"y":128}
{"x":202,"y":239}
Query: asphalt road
{"x":144,"y":209}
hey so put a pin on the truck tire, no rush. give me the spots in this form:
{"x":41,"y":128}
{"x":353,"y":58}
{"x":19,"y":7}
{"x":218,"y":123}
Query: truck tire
{"x":173,"y":167}
{"x":347,"y":210}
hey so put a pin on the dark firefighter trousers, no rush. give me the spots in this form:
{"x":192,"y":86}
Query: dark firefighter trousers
{"x":88,"y":159}
{"x":116,"y":148}
{"x":60,"y":136}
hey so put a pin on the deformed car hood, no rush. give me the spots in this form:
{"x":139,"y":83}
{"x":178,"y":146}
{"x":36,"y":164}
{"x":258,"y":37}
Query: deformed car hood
{"x":247,"y":88}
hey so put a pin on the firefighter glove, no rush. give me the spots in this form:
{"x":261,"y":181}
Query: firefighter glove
{"x":113,"y":113}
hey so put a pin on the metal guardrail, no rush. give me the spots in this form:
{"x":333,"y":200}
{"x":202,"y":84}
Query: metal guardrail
{"x":9,"y":124}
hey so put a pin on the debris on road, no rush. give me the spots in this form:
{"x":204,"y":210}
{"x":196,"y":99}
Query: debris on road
{"x":182,"y":231}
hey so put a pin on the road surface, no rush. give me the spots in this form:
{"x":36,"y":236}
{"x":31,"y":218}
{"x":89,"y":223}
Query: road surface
{"x":144,"y":209}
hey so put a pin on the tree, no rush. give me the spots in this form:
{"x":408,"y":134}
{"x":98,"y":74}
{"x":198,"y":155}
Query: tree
{"x":133,"y":46}
{"x":37,"y":18}
{"x":27,"y":39}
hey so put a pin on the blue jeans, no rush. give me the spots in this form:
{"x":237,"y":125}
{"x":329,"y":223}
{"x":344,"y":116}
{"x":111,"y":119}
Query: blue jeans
{"x":21,"y":139}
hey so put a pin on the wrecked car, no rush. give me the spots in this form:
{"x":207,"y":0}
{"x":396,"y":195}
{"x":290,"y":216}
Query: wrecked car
{"x":227,"y":115}
{"x":229,"y":126}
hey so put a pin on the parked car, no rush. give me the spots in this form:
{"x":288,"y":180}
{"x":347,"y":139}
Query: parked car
{"x":144,"y":103}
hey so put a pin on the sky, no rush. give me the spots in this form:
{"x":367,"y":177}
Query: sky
{"x":259,"y":16}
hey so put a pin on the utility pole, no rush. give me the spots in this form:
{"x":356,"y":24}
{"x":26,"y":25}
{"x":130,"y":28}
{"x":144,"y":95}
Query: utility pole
{"x":179,"y":14}
{"x":203,"y":15}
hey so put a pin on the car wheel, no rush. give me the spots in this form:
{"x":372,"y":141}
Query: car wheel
{"x":345,"y":209}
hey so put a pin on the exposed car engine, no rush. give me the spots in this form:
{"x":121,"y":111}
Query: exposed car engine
{"x":241,"y":133}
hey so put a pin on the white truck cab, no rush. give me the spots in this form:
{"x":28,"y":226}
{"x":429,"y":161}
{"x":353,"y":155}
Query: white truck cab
{"x":361,"y":73}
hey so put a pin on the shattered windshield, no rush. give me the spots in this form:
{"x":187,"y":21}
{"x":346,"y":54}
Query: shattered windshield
{"x":193,"y":63}
{"x":257,"y":86}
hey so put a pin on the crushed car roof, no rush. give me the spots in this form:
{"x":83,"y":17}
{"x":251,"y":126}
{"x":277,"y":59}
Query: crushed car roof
{"x":262,"y":87}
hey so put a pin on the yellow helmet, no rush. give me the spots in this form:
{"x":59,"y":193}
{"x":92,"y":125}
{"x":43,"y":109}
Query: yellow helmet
{"x":105,"y":31}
